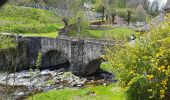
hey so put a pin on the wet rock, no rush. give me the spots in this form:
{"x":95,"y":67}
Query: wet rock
{"x":72,"y":84}
{"x":61,"y":87}
{"x":60,"y":73}
{"x":54,"y":74}
{"x":19,"y":94}
{"x":104,"y":84}
{"x":45,"y":72}
{"x":61,"y":70}
{"x":80,"y":85}
{"x":47,"y":80}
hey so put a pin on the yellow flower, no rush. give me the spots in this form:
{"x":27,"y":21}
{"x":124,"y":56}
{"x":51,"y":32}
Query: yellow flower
{"x":130,"y":83}
{"x":159,"y":68}
{"x":162,"y":93}
{"x":149,"y":77}
{"x":162,"y":69}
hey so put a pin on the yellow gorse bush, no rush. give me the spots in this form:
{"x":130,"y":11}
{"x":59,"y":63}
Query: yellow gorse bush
{"x":144,"y":68}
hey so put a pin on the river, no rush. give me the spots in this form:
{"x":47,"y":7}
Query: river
{"x":18,"y":85}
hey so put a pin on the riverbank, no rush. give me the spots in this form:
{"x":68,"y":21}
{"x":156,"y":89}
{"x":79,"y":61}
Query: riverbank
{"x":16,"y":86}
{"x":90,"y":92}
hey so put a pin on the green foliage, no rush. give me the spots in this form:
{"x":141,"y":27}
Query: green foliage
{"x":50,"y":82}
{"x":111,"y":92}
{"x":39,"y":59}
{"x":50,"y":35}
{"x":15,"y":19}
{"x":84,"y":24}
{"x":122,"y":12}
{"x":144,"y":68}
{"x":6,"y":42}
{"x":120,"y":3}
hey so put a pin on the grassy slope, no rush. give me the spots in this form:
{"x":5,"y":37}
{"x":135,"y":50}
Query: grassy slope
{"x":23,"y":20}
{"x":115,"y":33}
{"x":36,"y":22}
{"x":111,"y":92}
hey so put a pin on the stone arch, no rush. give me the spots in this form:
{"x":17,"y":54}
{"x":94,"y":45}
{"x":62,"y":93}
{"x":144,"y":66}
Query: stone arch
{"x":93,"y":66}
{"x":55,"y":59}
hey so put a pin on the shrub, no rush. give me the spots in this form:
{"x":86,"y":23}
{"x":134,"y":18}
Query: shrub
{"x":6,"y":42}
{"x":144,"y":67}
{"x":122,"y":12}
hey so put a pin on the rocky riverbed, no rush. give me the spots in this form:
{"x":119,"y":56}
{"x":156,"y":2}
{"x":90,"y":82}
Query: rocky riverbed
{"x":15,"y":86}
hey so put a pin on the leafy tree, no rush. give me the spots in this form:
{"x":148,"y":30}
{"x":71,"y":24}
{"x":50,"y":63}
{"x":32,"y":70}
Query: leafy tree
{"x":154,"y":8}
{"x":101,"y":7}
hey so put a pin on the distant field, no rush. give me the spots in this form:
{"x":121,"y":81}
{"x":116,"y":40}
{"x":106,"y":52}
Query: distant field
{"x":115,"y":33}
{"x":23,"y":20}
{"x":111,"y":92}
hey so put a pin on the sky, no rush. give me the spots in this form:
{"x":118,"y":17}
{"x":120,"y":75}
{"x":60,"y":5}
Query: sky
{"x":162,"y":3}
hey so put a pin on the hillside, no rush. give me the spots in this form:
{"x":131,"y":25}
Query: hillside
{"x":25,"y":20}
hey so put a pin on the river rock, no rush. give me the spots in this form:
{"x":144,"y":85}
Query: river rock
{"x":19,"y":94}
{"x":45,"y":72}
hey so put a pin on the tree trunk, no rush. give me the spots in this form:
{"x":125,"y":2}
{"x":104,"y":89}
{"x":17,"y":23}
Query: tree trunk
{"x":113,"y":17}
{"x":107,"y":17}
{"x":129,"y":16}
{"x":65,"y":20}
{"x":103,"y":12}
{"x":124,"y":3}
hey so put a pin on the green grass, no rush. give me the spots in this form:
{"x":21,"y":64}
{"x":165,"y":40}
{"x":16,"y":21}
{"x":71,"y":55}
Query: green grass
{"x":24,"y":20}
{"x":50,"y":35}
{"x":115,"y":33}
{"x":43,"y":23}
{"x":111,"y":92}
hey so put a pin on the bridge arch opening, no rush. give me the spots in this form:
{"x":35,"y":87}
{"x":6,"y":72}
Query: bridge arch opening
{"x":54,"y":59}
{"x":3,"y":62}
{"x":93,"y":66}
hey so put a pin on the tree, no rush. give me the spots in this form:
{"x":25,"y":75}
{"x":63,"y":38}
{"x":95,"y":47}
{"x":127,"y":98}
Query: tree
{"x":101,"y":7}
{"x":111,"y":10}
{"x":154,"y":8}
{"x":129,"y":15}
{"x":141,"y":13}
{"x":73,"y":9}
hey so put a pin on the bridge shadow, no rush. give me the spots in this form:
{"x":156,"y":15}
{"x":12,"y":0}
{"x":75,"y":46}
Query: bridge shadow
{"x":54,"y":60}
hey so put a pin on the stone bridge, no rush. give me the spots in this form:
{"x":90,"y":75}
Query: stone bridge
{"x":82,"y":56}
